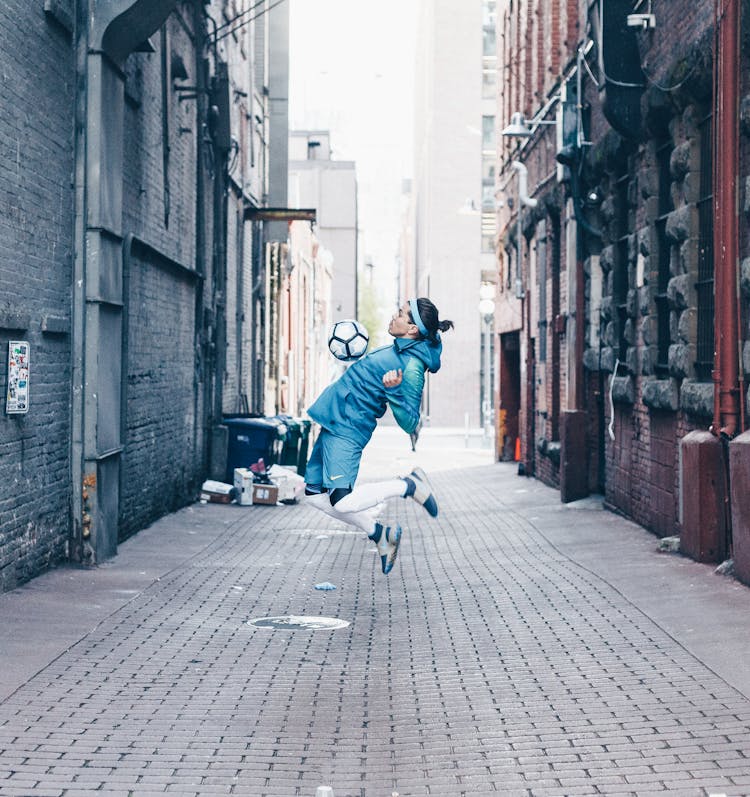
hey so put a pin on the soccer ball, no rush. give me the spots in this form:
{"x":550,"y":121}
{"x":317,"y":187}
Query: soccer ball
{"x":348,"y":340}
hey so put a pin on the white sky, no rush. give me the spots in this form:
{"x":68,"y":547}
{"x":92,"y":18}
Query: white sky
{"x":351,"y":72}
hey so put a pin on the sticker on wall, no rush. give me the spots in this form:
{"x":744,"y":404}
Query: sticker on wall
{"x":17,"y":398}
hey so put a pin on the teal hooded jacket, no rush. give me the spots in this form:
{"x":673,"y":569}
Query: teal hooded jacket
{"x":351,"y":406}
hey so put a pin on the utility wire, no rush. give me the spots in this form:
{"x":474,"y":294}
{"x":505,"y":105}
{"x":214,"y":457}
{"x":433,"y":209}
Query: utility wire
{"x":241,"y":14}
{"x":247,"y":21}
{"x":649,"y":79}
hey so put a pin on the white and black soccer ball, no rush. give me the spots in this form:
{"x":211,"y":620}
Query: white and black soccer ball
{"x":348,"y":340}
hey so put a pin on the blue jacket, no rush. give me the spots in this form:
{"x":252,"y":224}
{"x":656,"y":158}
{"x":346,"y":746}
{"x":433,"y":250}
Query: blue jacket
{"x":351,"y":406}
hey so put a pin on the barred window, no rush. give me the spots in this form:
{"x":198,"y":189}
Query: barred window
{"x":663,"y":256}
{"x":541,"y":276}
{"x":704,"y":287}
{"x":620,"y":276}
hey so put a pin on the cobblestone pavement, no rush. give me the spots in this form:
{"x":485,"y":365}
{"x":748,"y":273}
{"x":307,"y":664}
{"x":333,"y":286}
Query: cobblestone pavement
{"x":494,"y":659}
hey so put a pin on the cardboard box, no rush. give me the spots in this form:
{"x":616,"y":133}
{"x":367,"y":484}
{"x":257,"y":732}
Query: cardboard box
{"x":217,"y":492}
{"x":286,"y":490}
{"x":243,"y":483}
{"x":291,"y":484}
{"x":215,"y":498}
{"x":265,"y":494}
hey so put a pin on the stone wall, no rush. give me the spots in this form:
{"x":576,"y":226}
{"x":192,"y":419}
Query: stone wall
{"x":648,"y":214}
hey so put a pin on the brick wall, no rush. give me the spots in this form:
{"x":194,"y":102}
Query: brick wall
{"x":36,"y":228}
{"x":653,"y":408}
{"x":162,"y":462}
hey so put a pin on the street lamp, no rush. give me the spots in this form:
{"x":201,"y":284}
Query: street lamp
{"x":487,"y":312}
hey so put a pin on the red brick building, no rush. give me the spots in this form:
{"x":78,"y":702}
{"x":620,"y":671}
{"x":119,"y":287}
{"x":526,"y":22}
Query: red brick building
{"x":623,"y":332}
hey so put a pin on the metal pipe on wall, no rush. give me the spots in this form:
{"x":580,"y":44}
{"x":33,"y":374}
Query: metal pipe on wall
{"x":727,"y":411}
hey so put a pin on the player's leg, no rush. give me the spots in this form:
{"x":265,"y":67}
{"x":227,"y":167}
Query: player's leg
{"x":335,"y":465}
{"x":415,"y":486}
{"x":330,"y":472}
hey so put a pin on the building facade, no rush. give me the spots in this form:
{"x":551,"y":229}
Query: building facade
{"x":623,"y":320}
{"x":451,"y":213}
{"x":317,"y":180}
{"x":134,"y":167}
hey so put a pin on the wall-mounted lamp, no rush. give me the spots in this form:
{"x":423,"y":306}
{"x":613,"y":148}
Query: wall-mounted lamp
{"x":520,"y":128}
{"x":593,"y":198}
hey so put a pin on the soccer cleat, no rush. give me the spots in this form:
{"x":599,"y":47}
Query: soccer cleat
{"x":387,"y":540}
{"x":419,"y":489}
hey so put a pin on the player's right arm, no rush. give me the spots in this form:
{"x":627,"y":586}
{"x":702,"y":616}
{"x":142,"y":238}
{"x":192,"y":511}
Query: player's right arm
{"x":405,"y":397}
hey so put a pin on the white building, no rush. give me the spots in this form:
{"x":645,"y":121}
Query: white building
{"x":452,"y":213}
{"x":329,"y":186}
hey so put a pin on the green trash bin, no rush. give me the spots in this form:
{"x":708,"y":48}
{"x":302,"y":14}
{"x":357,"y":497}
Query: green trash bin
{"x":296,"y":449}
{"x":304,"y":445}
{"x":290,"y":450}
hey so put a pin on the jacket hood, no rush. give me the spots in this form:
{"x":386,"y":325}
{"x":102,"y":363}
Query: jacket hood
{"x":427,"y":351}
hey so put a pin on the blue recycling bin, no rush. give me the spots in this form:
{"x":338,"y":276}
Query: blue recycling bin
{"x":251,"y":439}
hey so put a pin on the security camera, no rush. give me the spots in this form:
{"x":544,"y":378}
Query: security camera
{"x":644,"y":21}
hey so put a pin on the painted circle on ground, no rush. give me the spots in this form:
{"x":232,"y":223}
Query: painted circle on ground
{"x":303,"y":622}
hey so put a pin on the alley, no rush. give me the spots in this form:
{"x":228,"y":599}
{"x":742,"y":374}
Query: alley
{"x":520,"y":647}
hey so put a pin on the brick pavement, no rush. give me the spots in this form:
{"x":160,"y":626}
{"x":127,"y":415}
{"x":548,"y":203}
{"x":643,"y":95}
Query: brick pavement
{"x":494,"y":659}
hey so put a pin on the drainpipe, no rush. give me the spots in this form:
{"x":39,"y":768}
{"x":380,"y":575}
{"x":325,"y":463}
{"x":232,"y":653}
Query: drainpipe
{"x":525,"y":200}
{"x":529,"y":202}
{"x":728,"y":416}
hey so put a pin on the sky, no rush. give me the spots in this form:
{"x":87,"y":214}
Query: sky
{"x":352,"y":72}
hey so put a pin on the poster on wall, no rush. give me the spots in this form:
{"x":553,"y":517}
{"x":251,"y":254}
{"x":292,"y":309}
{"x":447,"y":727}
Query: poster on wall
{"x":17,"y":398}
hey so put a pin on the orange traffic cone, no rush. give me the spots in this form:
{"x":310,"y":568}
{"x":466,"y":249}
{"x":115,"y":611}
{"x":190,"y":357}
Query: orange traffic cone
{"x":518,"y":450}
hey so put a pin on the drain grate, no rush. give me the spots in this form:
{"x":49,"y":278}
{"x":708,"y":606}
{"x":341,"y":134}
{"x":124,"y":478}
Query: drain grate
{"x":305,"y":623}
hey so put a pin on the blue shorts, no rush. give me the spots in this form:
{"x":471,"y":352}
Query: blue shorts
{"x":334,"y":461}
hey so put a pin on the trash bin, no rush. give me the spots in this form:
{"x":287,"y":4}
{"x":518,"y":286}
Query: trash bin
{"x":290,"y":451}
{"x":304,"y":445}
{"x":296,"y":448}
{"x":251,"y":439}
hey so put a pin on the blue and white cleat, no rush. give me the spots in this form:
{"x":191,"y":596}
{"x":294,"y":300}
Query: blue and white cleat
{"x":420,"y":490}
{"x":387,"y":540}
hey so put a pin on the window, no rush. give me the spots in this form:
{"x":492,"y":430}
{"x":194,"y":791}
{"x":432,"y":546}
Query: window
{"x":620,"y":282}
{"x":704,"y":287}
{"x":663,"y":255}
{"x":489,"y":227}
{"x":489,"y":81}
{"x":489,"y":13}
{"x":488,"y":134}
{"x":488,"y":196}
{"x":541,"y":278}
{"x":488,"y":41}
{"x":488,"y":168}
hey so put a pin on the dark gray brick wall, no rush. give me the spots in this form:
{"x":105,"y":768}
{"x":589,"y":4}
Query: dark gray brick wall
{"x":161,"y":461}
{"x":159,"y":464}
{"x":36,"y":228}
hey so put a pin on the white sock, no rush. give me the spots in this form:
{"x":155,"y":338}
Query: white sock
{"x":364,"y":519}
{"x":367,"y":496}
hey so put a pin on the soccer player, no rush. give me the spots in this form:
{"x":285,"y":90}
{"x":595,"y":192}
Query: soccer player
{"x":347,"y":411}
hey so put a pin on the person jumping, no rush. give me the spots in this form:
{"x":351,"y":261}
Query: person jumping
{"x":348,"y":410}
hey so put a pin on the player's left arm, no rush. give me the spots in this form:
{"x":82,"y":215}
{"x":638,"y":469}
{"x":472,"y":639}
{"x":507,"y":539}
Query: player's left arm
{"x":405,"y":397}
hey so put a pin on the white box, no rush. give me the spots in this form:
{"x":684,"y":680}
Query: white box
{"x":243,"y":482}
{"x":286,"y":488}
